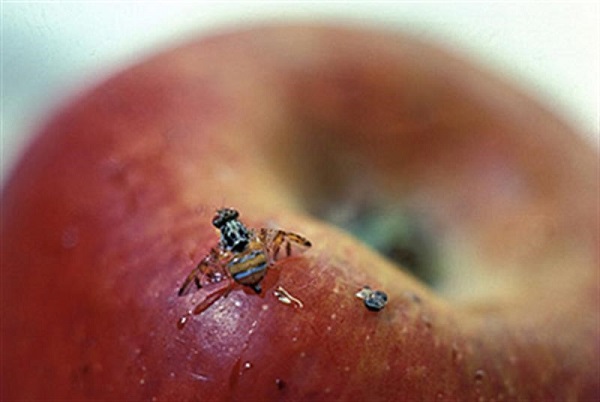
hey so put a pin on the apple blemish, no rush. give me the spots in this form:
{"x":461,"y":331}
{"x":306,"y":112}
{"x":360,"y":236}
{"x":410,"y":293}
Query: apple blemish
{"x":280,"y":383}
{"x":374,"y":300}
{"x":286,"y":298}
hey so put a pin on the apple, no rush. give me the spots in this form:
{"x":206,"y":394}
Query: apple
{"x":387,"y":153}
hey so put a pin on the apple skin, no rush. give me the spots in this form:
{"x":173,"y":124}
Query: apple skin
{"x":111,"y":207}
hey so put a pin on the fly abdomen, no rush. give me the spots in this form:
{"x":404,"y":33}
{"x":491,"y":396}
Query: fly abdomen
{"x":249,"y":268}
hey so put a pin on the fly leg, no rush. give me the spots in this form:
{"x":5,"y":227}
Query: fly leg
{"x":276,"y":240}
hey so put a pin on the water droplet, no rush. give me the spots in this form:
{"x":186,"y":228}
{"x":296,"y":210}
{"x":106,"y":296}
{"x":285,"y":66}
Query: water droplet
{"x":333,"y":316}
{"x":172,"y":374}
{"x":302,"y":354}
{"x":329,"y":328}
{"x":142,"y":381}
{"x":247,"y":365}
{"x":265,"y":307}
{"x":364,"y":292}
{"x":237,"y":303}
{"x":181,"y":322}
{"x":295,"y":339}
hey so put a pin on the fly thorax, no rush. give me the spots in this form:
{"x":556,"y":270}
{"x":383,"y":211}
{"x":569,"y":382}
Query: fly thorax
{"x":234,"y":236}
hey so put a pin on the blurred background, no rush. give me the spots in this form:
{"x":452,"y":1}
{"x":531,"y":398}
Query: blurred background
{"x":52,"y":50}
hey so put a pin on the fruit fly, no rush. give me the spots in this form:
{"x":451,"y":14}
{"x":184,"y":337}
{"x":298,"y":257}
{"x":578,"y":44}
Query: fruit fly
{"x":242,"y":255}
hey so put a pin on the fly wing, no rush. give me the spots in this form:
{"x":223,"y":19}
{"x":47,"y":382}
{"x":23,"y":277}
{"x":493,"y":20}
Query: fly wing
{"x":281,"y":244}
{"x":206,"y":272}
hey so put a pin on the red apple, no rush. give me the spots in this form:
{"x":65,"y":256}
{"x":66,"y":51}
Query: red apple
{"x":300,"y":128}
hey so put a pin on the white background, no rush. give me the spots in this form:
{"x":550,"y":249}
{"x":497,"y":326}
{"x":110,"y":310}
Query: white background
{"x":51,"y":50}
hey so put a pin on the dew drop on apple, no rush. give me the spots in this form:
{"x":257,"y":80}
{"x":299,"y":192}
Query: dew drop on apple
{"x":182,"y":321}
{"x":243,"y":368}
{"x":237,"y":371}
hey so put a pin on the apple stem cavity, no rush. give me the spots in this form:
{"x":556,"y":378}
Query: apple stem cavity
{"x":394,"y":232}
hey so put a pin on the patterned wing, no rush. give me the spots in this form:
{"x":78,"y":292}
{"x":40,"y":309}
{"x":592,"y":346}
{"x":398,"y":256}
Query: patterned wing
{"x":208,"y":271}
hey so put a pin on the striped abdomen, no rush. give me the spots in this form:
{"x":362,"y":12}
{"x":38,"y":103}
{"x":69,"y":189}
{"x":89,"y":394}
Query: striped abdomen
{"x":249,"y":267}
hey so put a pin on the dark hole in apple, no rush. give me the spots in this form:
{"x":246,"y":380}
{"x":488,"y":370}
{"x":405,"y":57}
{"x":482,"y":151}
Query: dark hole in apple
{"x":339,"y":186}
{"x":280,"y":384}
{"x":393,"y":232}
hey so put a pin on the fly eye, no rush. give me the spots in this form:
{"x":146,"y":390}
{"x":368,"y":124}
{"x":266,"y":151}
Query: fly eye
{"x":218,"y":221}
{"x":223,"y":216}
